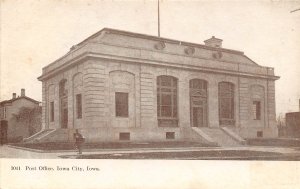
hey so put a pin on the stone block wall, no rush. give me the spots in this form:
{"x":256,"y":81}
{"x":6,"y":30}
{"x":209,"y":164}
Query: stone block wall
{"x":98,"y":88}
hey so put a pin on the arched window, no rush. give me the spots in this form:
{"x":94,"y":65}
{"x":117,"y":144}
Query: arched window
{"x":167,"y":101}
{"x":226,"y":103}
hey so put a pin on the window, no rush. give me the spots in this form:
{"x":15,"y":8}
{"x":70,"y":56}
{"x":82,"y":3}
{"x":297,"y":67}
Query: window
{"x":4,"y":112}
{"x":170,"y":135}
{"x":226,"y":103}
{"x":259,"y":134}
{"x":167,"y":100}
{"x":121,"y":104}
{"x":256,"y":110}
{"x":124,"y":136}
{"x":79,"y":106}
{"x":51,"y":111}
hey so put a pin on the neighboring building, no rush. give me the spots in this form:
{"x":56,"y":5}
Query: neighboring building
{"x":293,"y":124}
{"x":118,"y":85}
{"x":8,"y":111}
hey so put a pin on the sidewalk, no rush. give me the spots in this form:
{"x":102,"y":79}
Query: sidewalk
{"x":9,"y":152}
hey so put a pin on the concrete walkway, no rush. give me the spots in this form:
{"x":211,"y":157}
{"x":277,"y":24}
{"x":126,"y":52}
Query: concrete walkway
{"x":10,"y":152}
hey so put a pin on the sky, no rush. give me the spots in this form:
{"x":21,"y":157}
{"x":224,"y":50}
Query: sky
{"x":34,"y":33}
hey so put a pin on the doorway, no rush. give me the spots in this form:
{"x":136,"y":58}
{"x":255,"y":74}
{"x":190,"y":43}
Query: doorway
{"x":198,"y":112}
{"x":64,"y":112}
{"x":198,"y":103}
{"x":63,"y":98}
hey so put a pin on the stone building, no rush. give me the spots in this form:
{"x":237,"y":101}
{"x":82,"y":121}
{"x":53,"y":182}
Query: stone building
{"x":9,"y":109}
{"x":118,"y":85}
{"x":293,"y":123}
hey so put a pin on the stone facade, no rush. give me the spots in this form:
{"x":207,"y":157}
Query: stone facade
{"x":113,"y":62}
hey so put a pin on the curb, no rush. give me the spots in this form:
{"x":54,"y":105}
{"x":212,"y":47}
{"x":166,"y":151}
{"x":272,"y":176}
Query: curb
{"x":112,"y":149}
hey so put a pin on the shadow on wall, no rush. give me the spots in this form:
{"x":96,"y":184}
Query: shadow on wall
{"x":27,"y":122}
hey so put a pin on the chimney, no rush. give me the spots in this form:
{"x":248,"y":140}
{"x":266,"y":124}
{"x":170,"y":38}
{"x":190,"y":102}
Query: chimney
{"x":22,"y":92}
{"x":14,"y":95}
{"x":213,"y":42}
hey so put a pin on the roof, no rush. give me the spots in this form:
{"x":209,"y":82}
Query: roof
{"x":128,"y":46}
{"x":145,"y":36}
{"x":18,"y":98}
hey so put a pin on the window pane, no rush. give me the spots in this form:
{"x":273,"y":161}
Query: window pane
{"x":166,"y":90}
{"x":121,"y":98}
{"x":121,"y":104}
{"x":166,"y":99}
{"x":166,"y":111}
{"x":226,"y":101}
{"x":225,"y":108}
{"x":256,"y":110}
{"x":166,"y":81}
{"x":166,"y":96}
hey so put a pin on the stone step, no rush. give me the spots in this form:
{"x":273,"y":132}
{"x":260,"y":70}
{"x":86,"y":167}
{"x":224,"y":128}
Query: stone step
{"x":220,"y":137}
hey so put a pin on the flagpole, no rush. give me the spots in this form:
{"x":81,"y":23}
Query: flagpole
{"x":158,"y":18}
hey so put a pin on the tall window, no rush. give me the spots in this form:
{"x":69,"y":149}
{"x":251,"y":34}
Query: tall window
{"x":4,"y":112}
{"x":167,"y":101}
{"x":79,"y":106}
{"x":256,"y":110}
{"x":51,"y":111}
{"x":226,"y":103}
{"x":257,"y":106}
{"x":121,"y":104}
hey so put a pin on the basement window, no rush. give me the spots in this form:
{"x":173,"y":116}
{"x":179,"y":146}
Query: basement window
{"x":259,"y":134}
{"x":170,"y":135}
{"x":124,"y":136}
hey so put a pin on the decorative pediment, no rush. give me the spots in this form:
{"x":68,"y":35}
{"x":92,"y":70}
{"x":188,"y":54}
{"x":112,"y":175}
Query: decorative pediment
{"x":200,"y":93}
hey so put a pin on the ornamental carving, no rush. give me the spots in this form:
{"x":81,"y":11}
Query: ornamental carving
{"x":217,"y":55}
{"x":189,"y":50}
{"x":160,"y":45}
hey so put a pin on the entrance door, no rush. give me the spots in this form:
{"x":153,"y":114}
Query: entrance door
{"x":198,"y":103}
{"x":64,"y":112}
{"x":198,"y":115}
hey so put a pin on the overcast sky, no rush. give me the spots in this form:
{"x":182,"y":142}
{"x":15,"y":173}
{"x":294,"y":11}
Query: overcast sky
{"x":35,"y":33}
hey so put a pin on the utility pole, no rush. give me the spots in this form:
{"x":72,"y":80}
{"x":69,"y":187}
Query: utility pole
{"x":158,"y":18}
{"x":295,"y":10}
